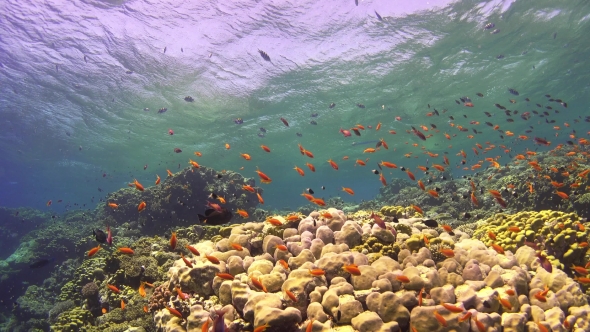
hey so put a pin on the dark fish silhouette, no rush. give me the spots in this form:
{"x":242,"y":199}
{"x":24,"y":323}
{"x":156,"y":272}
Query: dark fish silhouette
{"x":430,"y":223}
{"x":378,"y":16}
{"x":214,"y":217}
{"x":41,"y":263}
{"x":264,"y":55}
{"x":99,"y":236}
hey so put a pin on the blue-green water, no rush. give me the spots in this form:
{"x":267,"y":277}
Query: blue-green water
{"x":73,"y":121}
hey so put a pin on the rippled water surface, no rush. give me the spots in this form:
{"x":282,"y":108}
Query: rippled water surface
{"x":77,"y":79}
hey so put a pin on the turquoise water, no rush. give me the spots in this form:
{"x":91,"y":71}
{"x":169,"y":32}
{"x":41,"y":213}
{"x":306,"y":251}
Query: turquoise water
{"x":65,"y":127}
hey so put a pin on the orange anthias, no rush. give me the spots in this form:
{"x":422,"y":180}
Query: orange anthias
{"x":333,"y":164}
{"x":348,"y":190}
{"x":173,"y":241}
{"x":243,"y":213}
{"x":352,"y":269}
{"x":300,"y":171}
{"x":126,"y":250}
{"x":263,"y":177}
{"x":138,"y":185}
{"x":93,"y":251}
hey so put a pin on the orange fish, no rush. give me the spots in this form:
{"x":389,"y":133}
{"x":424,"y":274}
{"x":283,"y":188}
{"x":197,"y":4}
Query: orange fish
{"x":452,"y":308}
{"x":125,"y":250}
{"x":274,"y":222}
{"x":411,"y":175}
{"x":169,"y":173}
{"x":417,"y":209}
{"x":141,"y":206}
{"x":113,"y":205}
{"x":495,"y":193}
{"x":403,"y":279}
{"x":352,"y":269}
{"x":265,"y":148}
{"x":308,"y":153}
{"x":248,"y":188}
{"x":348,"y":190}
{"x":174,"y":312}
{"x":291,"y":295}
{"x":198,"y":154}
{"x":383,"y":144}
{"x":281,"y":247}
{"x":157,"y":179}
{"x":243,"y":213}
{"x":447,"y":252}
{"x":260,"y":199}
{"x":333,"y":164}
{"x":514,"y":229}
{"x":138,"y":185}
{"x":498,"y":248}
{"x":491,"y":235}
{"x":93,"y":251}
{"x":300,"y":171}
{"x":562,"y":194}
{"x":318,"y":201}
{"x":173,"y":241}
{"x":245,"y":156}
{"x":433,"y":193}
{"x":193,"y":250}
{"x":113,"y":288}
{"x":369,"y":150}
{"x":421,"y":185}
{"x":236,"y":246}
{"x":474,"y":199}
{"x":317,"y":272}
{"x":212,"y":259}
{"x":227,"y":146}
{"x":388,"y":164}
{"x":141,"y":289}
{"x":311,"y":167}
{"x":122,"y":304}
{"x":382,"y":179}
{"x":256,"y":282}
{"x":438,"y":316}
{"x":263,"y":177}
{"x":194,"y":163}
{"x":360,"y":162}
{"x":284,"y":264}
{"x":225,"y":276}
{"x":465,"y":317}
{"x":145,"y":309}
{"x":580,"y":270}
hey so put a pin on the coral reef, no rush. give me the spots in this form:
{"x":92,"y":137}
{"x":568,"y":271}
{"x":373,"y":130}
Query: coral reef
{"x":449,"y":282}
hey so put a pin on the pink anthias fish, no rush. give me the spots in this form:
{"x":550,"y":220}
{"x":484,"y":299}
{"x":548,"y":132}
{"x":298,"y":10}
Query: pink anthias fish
{"x":170,"y":132}
{"x":109,"y":236}
{"x":345,"y":132}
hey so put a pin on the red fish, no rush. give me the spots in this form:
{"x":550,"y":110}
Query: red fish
{"x":285,"y":122}
{"x":345,"y":132}
{"x":333,"y":164}
{"x":173,"y":241}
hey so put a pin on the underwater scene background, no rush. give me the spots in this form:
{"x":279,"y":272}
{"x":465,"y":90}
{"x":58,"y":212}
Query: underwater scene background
{"x":332,"y":156}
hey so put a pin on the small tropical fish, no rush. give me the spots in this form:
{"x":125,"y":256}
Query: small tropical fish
{"x":212,"y":259}
{"x":174,"y":312}
{"x":333,"y":164}
{"x":157,"y":179}
{"x":138,"y":185}
{"x":125,"y":250}
{"x":225,"y":276}
{"x":141,"y":206}
{"x":258,"y":284}
{"x":113,"y":288}
{"x":317,"y":272}
{"x":141,"y":289}
{"x":243,"y":213}
{"x":348,"y":190}
{"x":193,"y":250}
{"x":173,"y":241}
{"x":93,"y":251}
{"x":352,"y":269}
